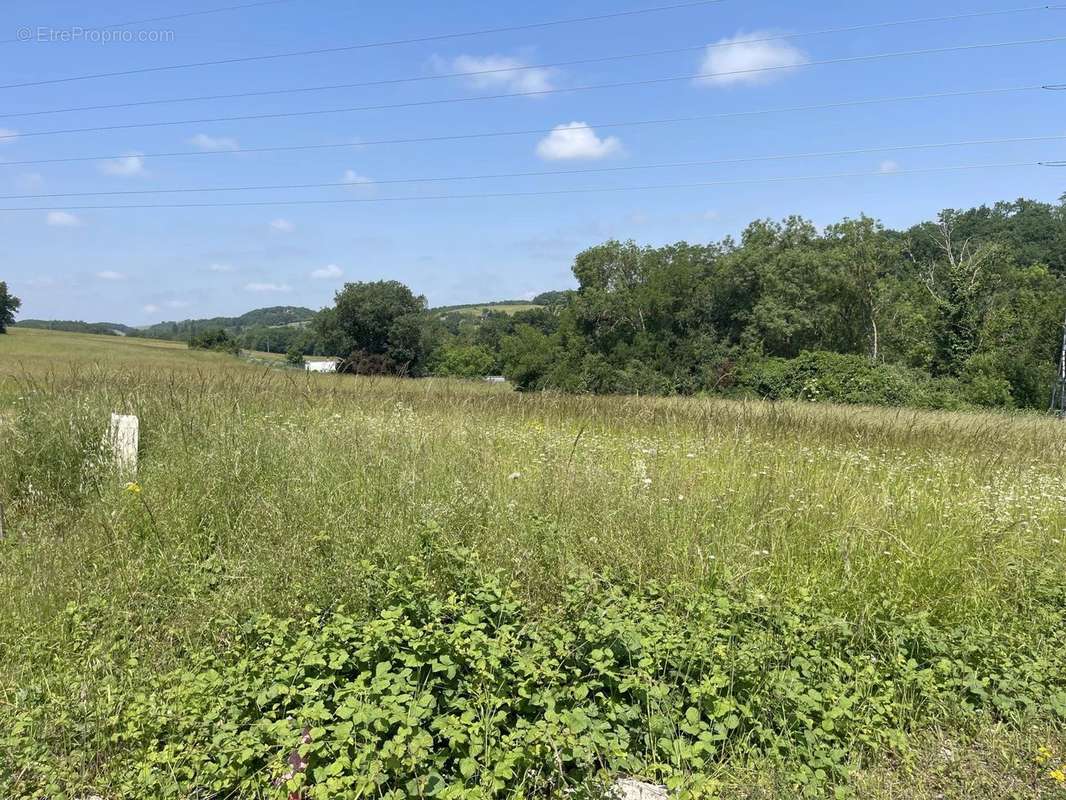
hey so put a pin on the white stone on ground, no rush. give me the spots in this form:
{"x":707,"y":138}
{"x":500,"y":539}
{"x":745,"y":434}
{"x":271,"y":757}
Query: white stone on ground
{"x":631,"y":789}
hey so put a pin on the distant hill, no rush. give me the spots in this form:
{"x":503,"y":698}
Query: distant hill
{"x":499,"y":306}
{"x":77,"y":326}
{"x":254,"y":323}
{"x":273,"y":317}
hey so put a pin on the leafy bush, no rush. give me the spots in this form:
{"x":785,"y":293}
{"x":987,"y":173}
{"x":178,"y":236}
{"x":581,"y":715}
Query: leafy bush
{"x":983,"y":383}
{"x":295,"y":356}
{"x":215,"y":339}
{"x":464,"y":362}
{"x":527,"y":356}
{"x":451,"y":687}
{"x":838,"y":378}
{"x":361,"y":362}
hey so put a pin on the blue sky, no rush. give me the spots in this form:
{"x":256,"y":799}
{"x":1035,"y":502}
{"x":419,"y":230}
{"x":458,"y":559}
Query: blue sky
{"x":145,"y":265}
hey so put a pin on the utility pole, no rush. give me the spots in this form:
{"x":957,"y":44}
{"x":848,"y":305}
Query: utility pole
{"x":1058,"y":394}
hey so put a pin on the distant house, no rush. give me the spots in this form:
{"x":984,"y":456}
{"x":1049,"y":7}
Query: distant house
{"x":325,"y":365}
{"x":495,"y":379}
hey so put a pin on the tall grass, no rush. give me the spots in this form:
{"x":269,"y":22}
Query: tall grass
{"x":264,"y":491}
{"x":280,"y":482}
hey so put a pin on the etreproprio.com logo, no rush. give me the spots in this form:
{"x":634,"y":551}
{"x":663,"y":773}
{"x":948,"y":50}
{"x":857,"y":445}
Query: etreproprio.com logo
{"x":41,"y":33}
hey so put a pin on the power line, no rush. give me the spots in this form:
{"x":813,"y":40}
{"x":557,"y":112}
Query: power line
{"x":521,"y":68}
{"x":552,"y":173}
{"x":541,"y":92}
{"x":538,"y":193}
{"x":540,"y":131}
{"x":368,"y":45}
{"x":184,"y":15}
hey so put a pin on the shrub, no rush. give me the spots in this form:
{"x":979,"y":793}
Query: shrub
{"x":295,"y":356}
{"x":464,"y":362}
{"x":983,"y":383}
{"x":215,"y":339}
{"x":452,"y":687}
{"x":361,"y":362}
{"x":527,"y":356}
{"x":840,"y":378}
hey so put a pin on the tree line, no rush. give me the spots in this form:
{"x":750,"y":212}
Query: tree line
{"x":964,"y":310}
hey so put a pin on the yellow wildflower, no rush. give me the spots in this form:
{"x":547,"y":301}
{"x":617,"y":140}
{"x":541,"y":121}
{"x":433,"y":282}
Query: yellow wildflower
{"x":1043,"y":755}
{"x":133,"y":488}
{"x":1058,"y":775}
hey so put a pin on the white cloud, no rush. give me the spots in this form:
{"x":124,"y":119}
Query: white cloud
{"x":151,"y":308}
{"x":329,"y":271}
{"x":221,"y":267}
{"x":734,"y":60}
{"x":267,"y":287}
{"x":576,"y":140}
{"x":110,"y":275}
{"x":353,"y":177}
{"x":712,"y":215}
{"x":63,"y":219}
{"x":176,"y":304}
{"x":889,"y":167}
{"x":499,"y":72}
{"x":283,"y":225}
{"x":129,"y":165}
{"x":8,"y":135}
{"x":214,"y":144}
{"x":361,"y":183}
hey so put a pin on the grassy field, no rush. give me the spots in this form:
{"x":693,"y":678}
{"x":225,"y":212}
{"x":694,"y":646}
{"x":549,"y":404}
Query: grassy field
{"x":525,"y":594}
{"x":483,"y":308}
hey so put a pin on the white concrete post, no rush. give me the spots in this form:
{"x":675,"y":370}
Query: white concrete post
{"x":124,"y":436}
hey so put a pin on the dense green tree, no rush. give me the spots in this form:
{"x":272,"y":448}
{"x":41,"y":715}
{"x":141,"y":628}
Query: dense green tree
{"x":528,"y":355}
{"x":560,"y":298}
{"x":1034,"y":233}
{"x":961,"y":277}
{"x":377,"y":324}
{"x":864,"y":262}
{"x":295,"y":356}
{"x":216,"y":339}
{"x":9,"y":304}
{"x":464,"y":361}
{"x":275,"y":339}
{"x":965,"y":310}
{"x":643,"y":306}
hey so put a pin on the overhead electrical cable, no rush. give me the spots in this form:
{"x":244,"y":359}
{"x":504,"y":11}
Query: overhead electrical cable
{"x":539,"y":193}
{"x":538,"y":131}
{"x":500,"y":70}
{"x":480,"y":98}
{"x":548,"y":173}
{"x":368,"y":45}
